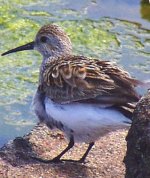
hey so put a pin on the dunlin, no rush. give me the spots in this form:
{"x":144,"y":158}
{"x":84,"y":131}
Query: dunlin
{"x":85,"y":98}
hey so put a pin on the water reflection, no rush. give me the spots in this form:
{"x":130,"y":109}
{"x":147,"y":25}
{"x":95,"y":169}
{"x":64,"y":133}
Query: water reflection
{"x":145,"y":9}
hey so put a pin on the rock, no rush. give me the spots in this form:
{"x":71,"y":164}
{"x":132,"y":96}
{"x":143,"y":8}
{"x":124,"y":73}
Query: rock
{"x":104,"y":161}
{"x":137,"y":158}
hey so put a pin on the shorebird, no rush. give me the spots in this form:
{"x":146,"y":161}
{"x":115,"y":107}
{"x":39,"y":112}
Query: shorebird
{"x":83,"y":97}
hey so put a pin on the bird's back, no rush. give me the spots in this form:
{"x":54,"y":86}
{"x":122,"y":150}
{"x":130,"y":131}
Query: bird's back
{"x":80,"y":79}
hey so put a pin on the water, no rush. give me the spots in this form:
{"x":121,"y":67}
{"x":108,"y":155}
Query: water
{"x":115,"y":30}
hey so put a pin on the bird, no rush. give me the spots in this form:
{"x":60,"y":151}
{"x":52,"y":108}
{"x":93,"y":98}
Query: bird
{"x":83,"y":97}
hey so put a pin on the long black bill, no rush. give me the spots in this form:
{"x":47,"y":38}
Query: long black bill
{"x":28,"y":46}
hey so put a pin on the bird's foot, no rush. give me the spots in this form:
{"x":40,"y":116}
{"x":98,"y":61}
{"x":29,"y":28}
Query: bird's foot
{"x":58,"y":160}
{"x":74,"y":161}
{"x":54,"y":160}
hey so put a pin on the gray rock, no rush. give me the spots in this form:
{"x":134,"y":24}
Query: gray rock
{"x":137,"y":158}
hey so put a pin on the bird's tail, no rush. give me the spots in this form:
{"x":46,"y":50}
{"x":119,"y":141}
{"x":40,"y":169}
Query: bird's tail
{"x":127,"y":110}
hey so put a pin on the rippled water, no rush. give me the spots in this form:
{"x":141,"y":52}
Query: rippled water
{"x":114,"y":30}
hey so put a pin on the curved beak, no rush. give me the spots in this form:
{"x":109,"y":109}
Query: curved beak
{"x":28,"y":46}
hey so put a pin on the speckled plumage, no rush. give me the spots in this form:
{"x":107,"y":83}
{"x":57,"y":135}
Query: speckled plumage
{"x":85,"y":98}
{"x":76,"y":78}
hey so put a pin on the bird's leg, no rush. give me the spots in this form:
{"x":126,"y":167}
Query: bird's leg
{"x":82,"y":160}
{"x":57,"y":158}
{"x":70,"y":145}
{"x":86,"y":153}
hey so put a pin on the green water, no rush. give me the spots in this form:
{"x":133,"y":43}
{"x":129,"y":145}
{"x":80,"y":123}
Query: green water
{"x":96,"y":28}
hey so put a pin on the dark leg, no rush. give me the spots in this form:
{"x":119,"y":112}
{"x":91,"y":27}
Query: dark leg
{"x":70,"y":145}
{"x":57,"y":158}
{"x":82,"y":160}
{"x":86,"y":153}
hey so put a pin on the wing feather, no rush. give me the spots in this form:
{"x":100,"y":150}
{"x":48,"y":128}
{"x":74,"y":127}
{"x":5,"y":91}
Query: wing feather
{"x":77,"y":79}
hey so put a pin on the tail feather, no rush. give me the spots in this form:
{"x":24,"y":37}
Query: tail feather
{"x":127,"y":110}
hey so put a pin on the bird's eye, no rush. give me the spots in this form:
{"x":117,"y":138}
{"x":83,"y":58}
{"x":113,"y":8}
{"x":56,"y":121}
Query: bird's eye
{"x":43,"y":39}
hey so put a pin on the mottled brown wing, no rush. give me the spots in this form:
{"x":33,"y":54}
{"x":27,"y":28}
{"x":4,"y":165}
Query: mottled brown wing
{"x":76,"y":78}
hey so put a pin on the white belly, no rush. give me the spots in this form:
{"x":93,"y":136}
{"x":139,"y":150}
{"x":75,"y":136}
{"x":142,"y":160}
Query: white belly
{"x":88,"y":121}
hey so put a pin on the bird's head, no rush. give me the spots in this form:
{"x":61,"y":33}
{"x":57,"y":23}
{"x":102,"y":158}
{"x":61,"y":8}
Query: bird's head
{"x":50,"y":40}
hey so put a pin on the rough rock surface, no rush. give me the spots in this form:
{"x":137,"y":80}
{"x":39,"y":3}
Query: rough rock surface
{"x":138,"y":141}
{"x":104,"y":161}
